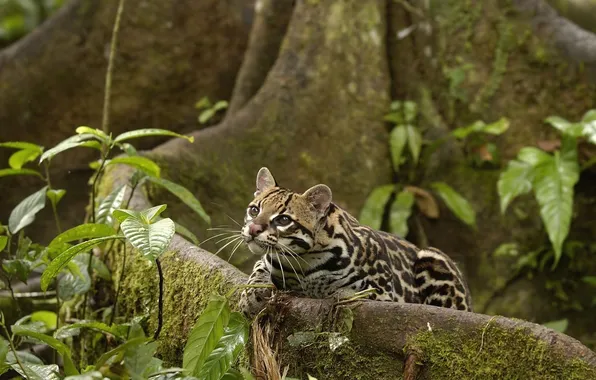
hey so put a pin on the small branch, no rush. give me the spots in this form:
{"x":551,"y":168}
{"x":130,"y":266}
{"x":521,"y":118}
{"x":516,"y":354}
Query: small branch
{"x":160,"y":301}
{"x":108,"y":86}
{"x":113,"y":316}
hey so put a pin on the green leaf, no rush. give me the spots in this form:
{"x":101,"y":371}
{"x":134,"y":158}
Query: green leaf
{"x":4,"y":348}
{"x":92,"y":375}
{"x":589,"y":116}
{"x":206,"y":115}
{"x":463,"y":132}
{"x":410,"y":110}
{"x":553,"y":185}
{"x":121,"y":348}
{"x":397,"y":142}
{"x":24,"y":214}
{"x":205,"y":334}
{"x":9,"y":172}
{"x":150,"y":214}
{"x":184,"y":195}
{"x":456,"y":203}
{"x":21,"y":145}
{"x":83,"y":231}
{"x":137,"y":360}
{"x":17,"y":267}
{"x":3,"y":242}
{"x":514,"y":181}
{"x":93,"y":131}
{"x":60,"y":347}
{"x":38,"y":371}
{"x":589,"y":126}
{"x":150,"y":132}
{"x":180,"y":230}
{"x":109,"y":204}
{"x":394,"y":117}
{"x":101,"y":268}
{"x":138,"y":162}
{"x":151,"y":240}
{"x":122,"y":214}
{"x":401,"y":209}
{"x":533,"y":156}
{"x":414,"y":142}
{"x":20,"y":158}
{"x":71,"y":142}
{"x":372,"y":211}
{"x":49,"y":318}
{"x":64,"y":258}
{"x":77,"y":281}
{"x":227,"y":350}
{"x":55,"y":195}
{"x":591,"y":280}
{"x":498,"y":127}
{"x":220,"y":105}
{"x":560,"y":325}
{"x":204,"y":102}
{"x":93,"y":325}
{"x":566,"y":127}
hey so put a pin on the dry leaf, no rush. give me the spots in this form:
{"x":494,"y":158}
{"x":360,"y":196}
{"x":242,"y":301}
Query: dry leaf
{"x":425,"y":201}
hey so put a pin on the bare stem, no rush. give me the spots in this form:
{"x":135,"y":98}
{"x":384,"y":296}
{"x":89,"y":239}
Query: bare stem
{"x":13,"y":348}
{"x":160,"y":301}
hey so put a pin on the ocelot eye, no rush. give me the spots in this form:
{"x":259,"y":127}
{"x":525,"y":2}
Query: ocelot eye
{"x":253,"y":211}
{"x":283,"y":220}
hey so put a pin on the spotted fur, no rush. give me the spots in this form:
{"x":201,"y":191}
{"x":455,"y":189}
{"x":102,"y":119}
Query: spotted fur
{"x":312,"y":247}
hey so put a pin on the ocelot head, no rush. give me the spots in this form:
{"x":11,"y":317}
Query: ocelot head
{"x":282,"y":221}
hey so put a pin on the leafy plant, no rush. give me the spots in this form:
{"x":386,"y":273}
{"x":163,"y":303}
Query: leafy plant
{"x":551,"y":176}
{"x":398,"y":200}
{"x":208,"y":110}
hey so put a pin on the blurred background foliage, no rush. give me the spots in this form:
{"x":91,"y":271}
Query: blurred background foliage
{"x":19,"y":17}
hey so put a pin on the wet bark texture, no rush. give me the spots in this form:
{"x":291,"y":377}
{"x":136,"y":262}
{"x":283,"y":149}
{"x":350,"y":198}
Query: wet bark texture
{"x":308,"y":103}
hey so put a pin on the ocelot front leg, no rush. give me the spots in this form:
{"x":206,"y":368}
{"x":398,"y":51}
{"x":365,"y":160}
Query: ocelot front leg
{"x":253,"y":300}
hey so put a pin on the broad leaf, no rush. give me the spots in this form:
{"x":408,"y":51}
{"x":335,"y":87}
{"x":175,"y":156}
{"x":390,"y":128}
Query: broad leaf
{"x":20,"y":158}
{"x":204,"y":102}
{"x":514,"y":181}
{"x":560,"y":325}
{"x":17,"y":267}
{"x":533,"y":156}
{"x":24,"y":214}
{"x":220,"y":105}
{"x":589,"y":126}
{"x":64,"y":258}
{"x":137,"y":360}
{"x":100,"y":268}
{"x":372,"y":211}
{"x":401,"y":208}
{"x":591,"y":280}
{"x":138,"y":162}
{"x":397,"y":142}
{"x":9,"y":172}
{"x":84,"y":140}
{"x":55,"y":195}
{"x":414,"y":142}
{"x":151,"y":240}
{"x":83,"y":231}
{"x":93,"y":131}
{"x":553,"y":185}
{"x":60,"y":347}
{"x":77,"y":281}
{"x":122,"y":214}
{"x":206,"y":115}
{"x":425,"y":201}
{"x":38,"y":371}
{"x":456,"y":203}
{"x":184,"y":195}
{"x":227,"y":350}
{"x":497,"y":128}
{"x":21,"y":145}
{"x":121,"y":348}
{"x":3,"y":242}
{"x":93,"y":325}
{"x":180,"y":230}
{"x":150,"y":214}
{"x":567,"y":127}
{"x":93,"y":375}
{"x":150,"y":132}
{"x":49,"y":318}
{"x":205,"y":334}
{"x":410,"y":110}
{"x":109,"y":204}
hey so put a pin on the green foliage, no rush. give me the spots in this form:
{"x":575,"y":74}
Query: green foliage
{"x":456,"y":203}
{"x":209,"y":110}
{"x":184,"y":195}
{"x":559,"y":325}
{"x":551,"y":177}
{"x":24,"y":214}
{"x":149,"y":236}
{"x":400,"y":211}
{"x":19,"y":17}
{"x":138,"y":162}
{"x":375,"y":205}
{"x":480,"y":126}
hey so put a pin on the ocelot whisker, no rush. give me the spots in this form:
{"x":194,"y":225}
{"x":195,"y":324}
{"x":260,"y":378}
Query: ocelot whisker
{"x":294,"y":270}
{"x":228,"y":243}
{"x":294,"y":254}
{"x":281,"y":267}
{"x":233,"y":220}
{"x":226,"y":238}
{"x":215,"y":237}
{"x":235,"y":248}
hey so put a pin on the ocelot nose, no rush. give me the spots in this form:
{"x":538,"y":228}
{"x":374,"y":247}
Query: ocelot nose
{"x":255,"y":229}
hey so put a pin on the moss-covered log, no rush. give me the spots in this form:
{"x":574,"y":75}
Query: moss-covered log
{"x":362,"y":340}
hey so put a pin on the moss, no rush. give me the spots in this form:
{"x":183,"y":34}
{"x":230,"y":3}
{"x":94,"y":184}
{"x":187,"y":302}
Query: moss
{"x":494,"y":353}
{"x":349,"y":361}
{"x":187,"y":289}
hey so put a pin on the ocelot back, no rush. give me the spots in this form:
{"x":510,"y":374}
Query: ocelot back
{"x":312,"y":247}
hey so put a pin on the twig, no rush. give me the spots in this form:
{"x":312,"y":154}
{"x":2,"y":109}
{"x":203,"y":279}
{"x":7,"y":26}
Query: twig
{"x":12,"y":347}
{"x":108,"y":86}
{"x":483,"y":332}
{"x":160,"y":301}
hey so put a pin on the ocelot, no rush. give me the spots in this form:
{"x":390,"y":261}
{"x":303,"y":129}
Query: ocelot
{"x":312,"y":247}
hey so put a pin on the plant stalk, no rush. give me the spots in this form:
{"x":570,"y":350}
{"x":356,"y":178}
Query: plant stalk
{"x":160,"y":301}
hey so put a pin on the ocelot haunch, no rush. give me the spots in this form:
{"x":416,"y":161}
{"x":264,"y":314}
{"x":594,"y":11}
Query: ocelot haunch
{"x":312,"y":247}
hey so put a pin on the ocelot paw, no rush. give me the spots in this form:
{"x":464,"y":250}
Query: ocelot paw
{"x":253,"y":300}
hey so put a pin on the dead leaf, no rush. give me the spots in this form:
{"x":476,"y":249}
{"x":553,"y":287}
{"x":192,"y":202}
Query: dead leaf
{"x":549,"y":145}
{"x":425,"y":201}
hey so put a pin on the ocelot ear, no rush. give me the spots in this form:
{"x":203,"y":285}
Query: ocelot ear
{"x":265,"y":181}
{"x":319,"y":196}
